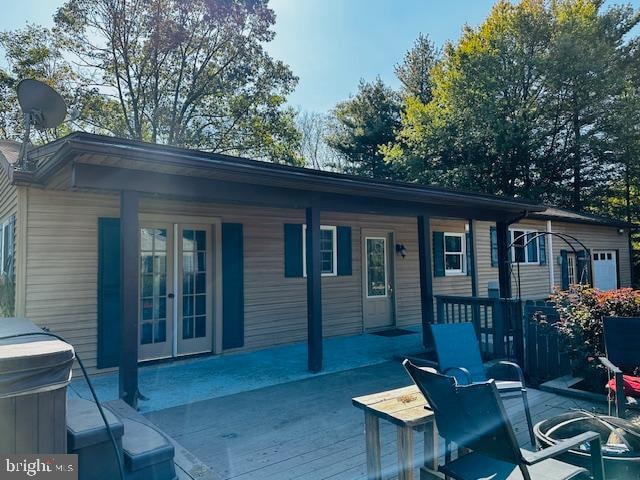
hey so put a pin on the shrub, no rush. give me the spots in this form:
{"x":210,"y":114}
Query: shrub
{"x":581,"y":309}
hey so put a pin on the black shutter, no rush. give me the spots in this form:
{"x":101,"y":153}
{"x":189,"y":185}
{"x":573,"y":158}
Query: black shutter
{"x":293,"y":250}
{"x":438,"y":254}
{"x":493,"y":238}
{"x":109,"y":302}
{"x":232,"y":286}
{"x":344,"y":250}
{"x":564,"y":268}
{"x":542,"y":244}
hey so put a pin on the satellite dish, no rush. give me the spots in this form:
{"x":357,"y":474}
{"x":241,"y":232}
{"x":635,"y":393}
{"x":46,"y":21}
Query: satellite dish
{"x":42,"y":107}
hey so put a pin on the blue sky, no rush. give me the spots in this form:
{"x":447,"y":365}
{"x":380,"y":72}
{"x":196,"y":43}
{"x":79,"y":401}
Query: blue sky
{"x":332,"y":44}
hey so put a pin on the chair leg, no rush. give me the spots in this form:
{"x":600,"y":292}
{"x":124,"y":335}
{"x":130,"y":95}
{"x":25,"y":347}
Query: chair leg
{"x":621,"y":400}
{"x":527,"y":413}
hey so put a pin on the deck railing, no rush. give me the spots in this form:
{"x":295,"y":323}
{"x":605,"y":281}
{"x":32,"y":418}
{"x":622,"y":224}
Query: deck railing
{"x":497,"y":322}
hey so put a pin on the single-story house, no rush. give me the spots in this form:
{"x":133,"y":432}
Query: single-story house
{"x":205,"y":253}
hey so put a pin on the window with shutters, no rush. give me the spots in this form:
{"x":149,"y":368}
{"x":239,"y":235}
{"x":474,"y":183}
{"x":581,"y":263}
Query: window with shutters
{"x":454,"y":253}
{"x":328,"y":249}
{"x":525,"y":248}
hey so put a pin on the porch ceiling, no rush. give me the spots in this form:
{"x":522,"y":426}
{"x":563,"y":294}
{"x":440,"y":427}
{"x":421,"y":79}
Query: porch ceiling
{"x":113,"y":164}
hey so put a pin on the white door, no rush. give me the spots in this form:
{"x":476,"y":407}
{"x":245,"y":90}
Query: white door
{"x":605,"y":274}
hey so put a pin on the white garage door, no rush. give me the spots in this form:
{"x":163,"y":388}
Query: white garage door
{"x":605,"y":275}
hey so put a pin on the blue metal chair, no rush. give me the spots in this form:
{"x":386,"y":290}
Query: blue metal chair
{"x":622,"y":347}
{"x":473,"y":417}
{"x":458,"y":354}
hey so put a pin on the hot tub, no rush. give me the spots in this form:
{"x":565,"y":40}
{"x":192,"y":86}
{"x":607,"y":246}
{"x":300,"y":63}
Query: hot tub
{"x":620,"y":441}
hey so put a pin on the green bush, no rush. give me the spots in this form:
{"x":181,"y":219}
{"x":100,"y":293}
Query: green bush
{"x":581,"y":309}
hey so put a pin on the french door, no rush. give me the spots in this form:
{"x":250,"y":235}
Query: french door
{"x":175,"y":315}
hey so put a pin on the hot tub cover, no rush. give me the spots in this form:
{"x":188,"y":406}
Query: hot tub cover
{"x":31,"y":364}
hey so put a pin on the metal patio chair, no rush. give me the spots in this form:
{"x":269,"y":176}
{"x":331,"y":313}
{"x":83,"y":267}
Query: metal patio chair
{"x":622,"y":347}
{"x":473,"y":417}
{"x":458,"y":354}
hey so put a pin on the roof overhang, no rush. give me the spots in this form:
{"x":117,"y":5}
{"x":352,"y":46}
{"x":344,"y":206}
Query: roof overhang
{"x":177,"y":172}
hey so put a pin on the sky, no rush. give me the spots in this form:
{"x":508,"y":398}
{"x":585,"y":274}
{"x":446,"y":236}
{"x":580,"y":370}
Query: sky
{"x":331,"y":44}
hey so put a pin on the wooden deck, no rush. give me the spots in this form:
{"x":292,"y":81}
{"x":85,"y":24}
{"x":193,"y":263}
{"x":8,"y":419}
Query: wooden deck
{"x":309,"y":429}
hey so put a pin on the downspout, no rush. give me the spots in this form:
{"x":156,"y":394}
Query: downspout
{"x":552,"y":278}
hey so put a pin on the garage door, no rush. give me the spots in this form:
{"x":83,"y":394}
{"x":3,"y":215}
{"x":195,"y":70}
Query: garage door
{"x":605,"y":273}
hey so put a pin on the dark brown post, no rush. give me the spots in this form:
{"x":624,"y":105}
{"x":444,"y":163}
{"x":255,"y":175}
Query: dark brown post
{"x":130,"y":258}
{"x":314,"y":290}
{"x":504,"y":274}
{"x":426,"y":281}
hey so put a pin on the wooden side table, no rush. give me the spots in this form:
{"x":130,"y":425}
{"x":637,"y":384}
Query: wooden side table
{"x":404,"y":407}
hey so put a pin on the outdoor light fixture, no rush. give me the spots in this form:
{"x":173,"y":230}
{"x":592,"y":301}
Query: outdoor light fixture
{"x":400,"y":248}
{"x":620,"y":231}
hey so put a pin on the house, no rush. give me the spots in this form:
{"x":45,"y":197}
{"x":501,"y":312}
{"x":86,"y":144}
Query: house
{"x":205,"y":253}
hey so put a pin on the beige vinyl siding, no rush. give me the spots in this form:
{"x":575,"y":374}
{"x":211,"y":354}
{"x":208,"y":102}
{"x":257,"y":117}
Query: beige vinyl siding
{"x":61,"y":286}
{"x":594,"y":237}
{"x":534,"y":278}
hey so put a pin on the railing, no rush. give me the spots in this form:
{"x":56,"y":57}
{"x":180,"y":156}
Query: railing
{"x":545,"y":356}
{"x":497,"y":322}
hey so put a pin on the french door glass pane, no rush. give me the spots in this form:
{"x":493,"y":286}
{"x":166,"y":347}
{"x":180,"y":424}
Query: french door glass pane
{"x":194,"y":283}
{"x":376,"y":271}
{"x":153,"y":285}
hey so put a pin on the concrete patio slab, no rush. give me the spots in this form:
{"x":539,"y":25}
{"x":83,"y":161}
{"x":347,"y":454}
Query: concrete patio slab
{"x":191,"y":380}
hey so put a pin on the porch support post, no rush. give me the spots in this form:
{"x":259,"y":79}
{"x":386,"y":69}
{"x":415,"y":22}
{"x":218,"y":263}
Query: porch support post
{"x":426,"y":280}
{"x":504,"y":275}
{"x":472,"y":259}
{"x":314,"y":290}
{"x":130,"y":258}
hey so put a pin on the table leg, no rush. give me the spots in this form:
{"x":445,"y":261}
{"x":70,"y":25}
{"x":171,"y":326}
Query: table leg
{"x":428,"y":472}
{"x":405,"y":453}
{"x":372,"y":443}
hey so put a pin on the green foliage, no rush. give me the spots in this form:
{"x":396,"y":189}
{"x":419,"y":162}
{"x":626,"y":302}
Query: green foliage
{"x":190,"y":73}
{"x":528,"y":104}
{"x":415,"y":71}
{"x":581,"y":309}
{"x":362,"y":125}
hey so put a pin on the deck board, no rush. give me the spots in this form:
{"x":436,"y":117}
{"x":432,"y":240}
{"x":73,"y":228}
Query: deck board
{"x":309,"y":429}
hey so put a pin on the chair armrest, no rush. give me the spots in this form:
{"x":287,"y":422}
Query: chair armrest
{"x":514,"y":367}
{"x":595,"y":450}
{"x":463,"y":370}
{"x":610,"y":366}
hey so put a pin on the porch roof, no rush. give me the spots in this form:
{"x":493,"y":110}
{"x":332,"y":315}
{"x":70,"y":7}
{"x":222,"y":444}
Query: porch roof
{"x":111,"y":163}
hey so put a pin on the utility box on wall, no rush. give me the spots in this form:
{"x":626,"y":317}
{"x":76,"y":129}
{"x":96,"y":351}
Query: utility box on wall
{"x":34,"y":373}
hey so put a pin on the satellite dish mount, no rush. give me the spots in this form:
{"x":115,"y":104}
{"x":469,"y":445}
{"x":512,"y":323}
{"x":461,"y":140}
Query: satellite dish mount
{"x":42,"y":108}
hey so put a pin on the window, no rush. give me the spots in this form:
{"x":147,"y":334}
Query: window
{"x":328,"y":249}
{"x":453,"y":253}
{"x":525,"y":247}
{"x":571,"y":268}
{"x":6,"y":247}
{"x":376,"y":267}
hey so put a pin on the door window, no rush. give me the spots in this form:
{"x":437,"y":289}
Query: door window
{"x":194,"y":283}
{"x":153,"y":288}
{"x":376,"y":267}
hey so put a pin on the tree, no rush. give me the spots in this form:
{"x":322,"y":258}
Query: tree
{"x":415,"y":70}
{"x":190,"y":73}
{"x":314,"y":127}
{"x":518,"y":103}
{"x":362,"y":125}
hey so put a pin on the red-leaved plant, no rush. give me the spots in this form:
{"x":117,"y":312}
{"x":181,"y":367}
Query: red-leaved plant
{"x":581,"y":309}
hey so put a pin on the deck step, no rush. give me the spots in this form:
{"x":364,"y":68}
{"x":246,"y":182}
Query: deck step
{"x":87,"y":437}
{"x":147,"y":453}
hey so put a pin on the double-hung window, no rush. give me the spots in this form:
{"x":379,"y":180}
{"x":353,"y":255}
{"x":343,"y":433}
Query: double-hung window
{"x":454,"y":249}
{"x":328,"y":249}
{"x":6,"y":247}
{"x":525,"y":247}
